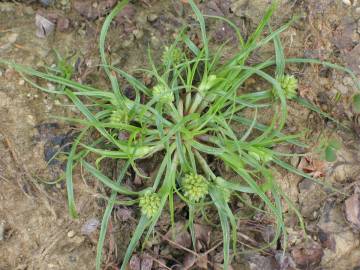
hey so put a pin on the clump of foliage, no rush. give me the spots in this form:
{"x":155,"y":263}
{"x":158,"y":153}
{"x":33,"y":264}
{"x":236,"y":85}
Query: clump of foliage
{"x":188,"y":117}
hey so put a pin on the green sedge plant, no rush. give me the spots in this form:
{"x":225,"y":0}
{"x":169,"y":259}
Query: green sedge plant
{"x":188,"y":116}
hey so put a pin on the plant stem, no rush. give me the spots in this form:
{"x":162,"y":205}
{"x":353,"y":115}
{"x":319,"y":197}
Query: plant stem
{"x":204,"y":165}
{"x":187,"y":101}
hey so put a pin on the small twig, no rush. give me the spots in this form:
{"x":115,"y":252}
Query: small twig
{"x":178,"y":245}
{"x":159,"y":262}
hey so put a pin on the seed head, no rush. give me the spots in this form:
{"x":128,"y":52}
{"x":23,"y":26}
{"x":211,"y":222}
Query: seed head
{"x":260,"y":154}
{"x":195,"y":187}
{"x":119,"y":116}
{"x":163,"y":94}
{"x":149,"y":204}
{"x":290,"y":85}
{"x":171,"y":55}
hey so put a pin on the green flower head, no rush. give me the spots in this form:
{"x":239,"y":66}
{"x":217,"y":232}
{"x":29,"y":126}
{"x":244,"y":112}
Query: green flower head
{"x":163,"y":94}
{"x":119,"y":116}
{"x":260,"y":154}
{"x":149,"y":204}
{"x":289,"y":84}
{"x":171,"y":55}
{"x":195,"y":187}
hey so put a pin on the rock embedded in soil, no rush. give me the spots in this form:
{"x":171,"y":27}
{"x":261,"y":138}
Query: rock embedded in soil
{"x":71,"y":234}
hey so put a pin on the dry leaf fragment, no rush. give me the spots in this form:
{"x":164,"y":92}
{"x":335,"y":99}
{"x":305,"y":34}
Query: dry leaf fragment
{"x":146,"y":262}
{"x":179,"y":235}
{"x":307,"y":255}
{"x":44,"y":27}
{"x":352,"y":209}
{"x":135,"y":262}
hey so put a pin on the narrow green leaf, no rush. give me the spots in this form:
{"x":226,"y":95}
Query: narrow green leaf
{"x":356,"y":102}
{"x":106,"y":217}
{"x":106,"y":181}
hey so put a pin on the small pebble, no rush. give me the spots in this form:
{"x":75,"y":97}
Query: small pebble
{"x":152,"y":17}
{"x":72,"y":258}
{"x":11,"y":38}
{"x":29,"y":10}
{"x":347,"y":2}
{"x":138,"y":33}
{"x":71,"y":234}
{"x":21,"y":82}
{"x":63,"y":24}
{"x":155,"y":42}
{"x":341,"y":88}
{"x":77,"y":240}
{"x":47,"y":2}
{"x":2,"y":231}
{"x":51,"y":87}
{"x":90,"y":226}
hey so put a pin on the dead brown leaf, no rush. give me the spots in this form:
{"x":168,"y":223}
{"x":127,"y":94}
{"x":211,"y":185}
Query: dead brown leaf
{"x":203,"y":233}
{"x":189,"y":261}
{"x":146,"y":262}
{"x":352,"y":209}
{"x":314,"y":167}
{"x":307,"y":254}
{"x":179,"y":235}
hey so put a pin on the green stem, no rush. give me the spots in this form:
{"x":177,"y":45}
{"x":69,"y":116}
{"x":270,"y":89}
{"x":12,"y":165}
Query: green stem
{"x":187,"y":101}
{"x":197,"y":100}
{"x":204,"y":165}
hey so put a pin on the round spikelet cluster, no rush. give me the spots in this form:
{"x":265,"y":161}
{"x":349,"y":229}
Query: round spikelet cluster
{"x":163,"y":94}
{"x":149,"y":204}
{"x":290,"y":85}
{"x":260,"y":155}
{"x":195,"y":187}
{"x":171,"y":55}
{"x":119,"y":116}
